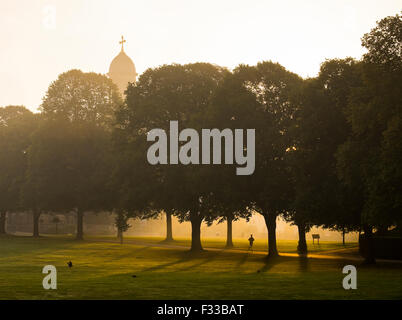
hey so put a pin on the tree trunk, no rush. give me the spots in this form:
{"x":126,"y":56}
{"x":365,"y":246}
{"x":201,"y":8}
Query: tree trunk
{"x":368,"y":235}
{"x":229,"y":234}
{"x":80,"y":225}
{"x":302,"y":246}
{"x":196,"y":233}
{"x":120,"y":235}
{"x":270,"y":221}
{"x":169,"y":232}
{"x":343,"y":236}
{"x":36,"y":216}
{"x":3,"y":216}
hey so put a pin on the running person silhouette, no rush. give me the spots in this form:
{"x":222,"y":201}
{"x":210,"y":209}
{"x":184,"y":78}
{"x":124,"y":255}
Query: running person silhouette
{"x":251,"y":241}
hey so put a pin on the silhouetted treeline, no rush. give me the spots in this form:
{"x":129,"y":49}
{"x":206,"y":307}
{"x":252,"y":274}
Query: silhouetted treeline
{"x":328,"y":149}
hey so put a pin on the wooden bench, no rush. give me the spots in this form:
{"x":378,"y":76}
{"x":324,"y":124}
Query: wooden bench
{"x":316,"y":236}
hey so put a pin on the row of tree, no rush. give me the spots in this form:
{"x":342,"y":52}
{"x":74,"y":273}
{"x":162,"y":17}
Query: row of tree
{"x":328,"y":149}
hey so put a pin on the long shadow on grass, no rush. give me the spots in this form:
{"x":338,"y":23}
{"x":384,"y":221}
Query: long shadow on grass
{"x":185,"y":258}
{"x":209,"y":256}
{"x":133,"y":253}
{"x":270,"y":262}
{"x":242,"y":260}
{"x":304,"y":264}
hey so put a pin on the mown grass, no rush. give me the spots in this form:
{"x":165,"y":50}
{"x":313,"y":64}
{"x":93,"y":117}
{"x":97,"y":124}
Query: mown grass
{"x":105,"y":270}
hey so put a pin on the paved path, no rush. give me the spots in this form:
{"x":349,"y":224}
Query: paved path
{"x":335,"y":254}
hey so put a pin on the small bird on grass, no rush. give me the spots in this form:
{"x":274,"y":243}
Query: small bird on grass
{"x":70,"y":264}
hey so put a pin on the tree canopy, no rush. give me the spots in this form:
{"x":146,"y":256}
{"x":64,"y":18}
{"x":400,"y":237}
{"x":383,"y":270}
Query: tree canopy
{"x":79,"y":96}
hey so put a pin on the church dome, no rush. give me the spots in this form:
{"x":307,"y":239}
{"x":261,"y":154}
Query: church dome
{"x":122,"y":64}
{"x":122,"y":70}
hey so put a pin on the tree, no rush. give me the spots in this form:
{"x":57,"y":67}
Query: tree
{"x":69,"y":165}
{"x":79,"y":96}
{"x":384,"y":44}
{"x":121,"y":223}
{"x":16,"y":126}
{"x":320,"y":127}
{"x":226,"y":199}
{"x":261,"y":97}
{"x":28,"y":192}
{"x":169,"y":227}
{"x":56,"y":221}
{"x":83,"y":104}
{"x":374,"y":113}
{"x":161,"y":95}
{"x":230,"y":217}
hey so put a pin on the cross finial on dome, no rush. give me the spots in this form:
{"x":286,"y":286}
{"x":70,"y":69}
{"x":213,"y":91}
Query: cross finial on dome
{"x":122,"y":43}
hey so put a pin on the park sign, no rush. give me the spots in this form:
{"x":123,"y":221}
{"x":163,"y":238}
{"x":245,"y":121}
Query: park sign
{"x":189,"y":152}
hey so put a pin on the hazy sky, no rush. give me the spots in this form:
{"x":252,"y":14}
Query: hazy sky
{"x":41,"y":39}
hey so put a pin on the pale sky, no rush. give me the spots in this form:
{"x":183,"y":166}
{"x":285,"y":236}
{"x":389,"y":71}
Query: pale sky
{"x":42,"y":38}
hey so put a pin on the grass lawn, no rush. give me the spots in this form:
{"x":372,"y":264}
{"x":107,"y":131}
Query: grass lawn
{"x":105,"y":271}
